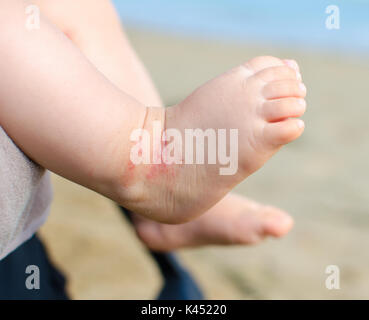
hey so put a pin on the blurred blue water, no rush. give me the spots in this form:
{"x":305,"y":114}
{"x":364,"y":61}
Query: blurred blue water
{"x":277,"y":22}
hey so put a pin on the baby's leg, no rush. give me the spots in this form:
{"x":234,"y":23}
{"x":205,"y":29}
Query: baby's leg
{"x":95,"y":28}
{"x":77,"y":124}
{"x":107,"y":47}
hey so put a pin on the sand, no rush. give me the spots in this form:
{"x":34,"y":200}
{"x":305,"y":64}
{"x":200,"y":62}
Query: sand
{"x":321,"y":179}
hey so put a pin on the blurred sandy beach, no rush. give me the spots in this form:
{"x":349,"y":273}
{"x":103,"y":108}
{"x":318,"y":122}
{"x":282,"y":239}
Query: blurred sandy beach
{"x":322,"y":180}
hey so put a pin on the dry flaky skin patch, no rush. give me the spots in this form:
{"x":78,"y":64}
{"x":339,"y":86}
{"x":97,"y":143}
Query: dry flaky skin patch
{"x":89,"y":240}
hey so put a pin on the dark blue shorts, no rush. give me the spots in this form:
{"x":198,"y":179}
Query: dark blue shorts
{"x":178,"y":282}
{"x":13,"y":274}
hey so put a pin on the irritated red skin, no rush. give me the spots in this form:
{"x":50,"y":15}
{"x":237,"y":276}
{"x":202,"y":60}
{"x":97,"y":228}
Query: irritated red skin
{"x":154,"y":170}
{"x":160,"y":168}
{"x":131,"y":166}
{"x":128,"y":177}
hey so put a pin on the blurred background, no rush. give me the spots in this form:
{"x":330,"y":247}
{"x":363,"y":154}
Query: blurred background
{"x":322,"y":179}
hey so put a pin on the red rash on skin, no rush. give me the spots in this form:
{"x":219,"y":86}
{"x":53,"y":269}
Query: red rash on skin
{"x":128,"y":177}
{"x":161,"y":168}
{"x":131,"y":166}
{"x":154,"y":171}
{"x":157,"y":169}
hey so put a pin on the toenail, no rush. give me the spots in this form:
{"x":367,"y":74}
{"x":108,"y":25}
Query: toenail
{"x":302,"y":87}
{"x":300,"y":124}
{"x":298,"y":75}
{"x":302,"y":102}
{"x":292,"y":64}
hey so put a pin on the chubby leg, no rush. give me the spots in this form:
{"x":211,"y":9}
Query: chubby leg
{"x":95,"y":28}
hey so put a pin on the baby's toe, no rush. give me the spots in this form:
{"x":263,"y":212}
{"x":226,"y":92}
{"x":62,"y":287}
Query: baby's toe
{"x":277,"y":223}
{"x":292,"y":64}
{"x":259,"y":63}
{"x":280,"y":109}
{"x":284,"y":89}
{"x":283,"y":132}
{"x":278,"y":73}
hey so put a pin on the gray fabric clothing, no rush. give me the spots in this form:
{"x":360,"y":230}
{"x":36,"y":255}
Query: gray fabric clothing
{"x":25,"y":196}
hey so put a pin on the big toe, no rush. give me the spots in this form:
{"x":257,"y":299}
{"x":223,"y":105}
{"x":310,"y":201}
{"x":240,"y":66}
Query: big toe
{"x":262,"y":62}
{"x":277,"y":223}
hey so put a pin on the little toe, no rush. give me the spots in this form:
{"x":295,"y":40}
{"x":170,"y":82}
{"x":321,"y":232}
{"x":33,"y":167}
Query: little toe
{"x":280,"y":109}
{"x":283,"y":132}
{"x":284,"y":89}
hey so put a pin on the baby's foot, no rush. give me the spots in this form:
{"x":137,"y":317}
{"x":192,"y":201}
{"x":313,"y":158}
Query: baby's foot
{"x":233,"y":220}
{"x":259,"y":100}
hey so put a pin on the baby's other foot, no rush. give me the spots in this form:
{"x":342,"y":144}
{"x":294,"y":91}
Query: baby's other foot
{"x":234,"y":220}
